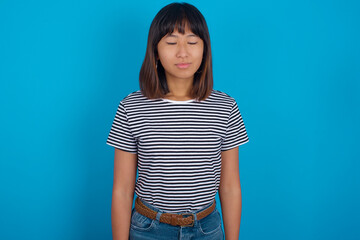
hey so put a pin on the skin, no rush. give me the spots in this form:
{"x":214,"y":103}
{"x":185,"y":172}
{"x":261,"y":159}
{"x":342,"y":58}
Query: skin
{"x":125,"y":165}
{"x":230,"y":193}
{"x":174,"y":49}
{"x":178,"y":48}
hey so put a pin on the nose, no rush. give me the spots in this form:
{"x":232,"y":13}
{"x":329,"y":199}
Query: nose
{"x":182,"y":50}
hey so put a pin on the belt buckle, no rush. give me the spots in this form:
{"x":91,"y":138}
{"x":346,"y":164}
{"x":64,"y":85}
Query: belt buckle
{"x":193,"y":219}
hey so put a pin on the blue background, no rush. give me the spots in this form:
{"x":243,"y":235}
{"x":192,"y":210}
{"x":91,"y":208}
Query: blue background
{"x":292,"y":66}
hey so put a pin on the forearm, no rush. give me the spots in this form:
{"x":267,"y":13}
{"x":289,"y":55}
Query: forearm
{"x":231,"y":212}
{"x":121,"y":207}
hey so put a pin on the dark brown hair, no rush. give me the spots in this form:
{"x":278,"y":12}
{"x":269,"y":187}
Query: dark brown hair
{"x":176,"y":16}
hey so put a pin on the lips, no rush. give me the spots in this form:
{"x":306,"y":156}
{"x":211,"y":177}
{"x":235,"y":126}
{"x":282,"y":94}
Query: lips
{"x":183,"y":65}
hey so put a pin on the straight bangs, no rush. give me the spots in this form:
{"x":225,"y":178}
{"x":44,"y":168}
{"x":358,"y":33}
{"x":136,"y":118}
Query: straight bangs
{"x":178,"y":19}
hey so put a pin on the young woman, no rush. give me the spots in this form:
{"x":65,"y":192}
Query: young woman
{"x":181,"y":135}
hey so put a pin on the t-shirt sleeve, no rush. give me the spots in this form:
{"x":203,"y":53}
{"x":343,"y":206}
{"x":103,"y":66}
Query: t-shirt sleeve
{"x":236,"y":133}
{"x":120,"y":135}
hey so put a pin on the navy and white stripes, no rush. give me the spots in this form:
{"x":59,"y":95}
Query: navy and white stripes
{"x":179,"y":146}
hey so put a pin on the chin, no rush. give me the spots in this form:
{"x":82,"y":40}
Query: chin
{"x":185,"y":77}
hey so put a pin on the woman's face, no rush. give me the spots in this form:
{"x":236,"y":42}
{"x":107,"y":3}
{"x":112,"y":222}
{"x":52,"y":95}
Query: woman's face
{"x":180,"y":54}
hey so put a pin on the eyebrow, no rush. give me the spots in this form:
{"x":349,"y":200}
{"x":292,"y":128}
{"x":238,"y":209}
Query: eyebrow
{"x":174,"y":35}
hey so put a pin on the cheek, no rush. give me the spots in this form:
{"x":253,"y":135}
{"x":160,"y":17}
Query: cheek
{"x":199,"y":53}
{"x":199,"y":56}
{"x":164,"y":57}
{"x":165,"y":62}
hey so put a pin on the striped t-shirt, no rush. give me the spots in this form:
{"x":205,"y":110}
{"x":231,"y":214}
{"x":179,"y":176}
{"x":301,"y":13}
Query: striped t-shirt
{"x":178,"y":146}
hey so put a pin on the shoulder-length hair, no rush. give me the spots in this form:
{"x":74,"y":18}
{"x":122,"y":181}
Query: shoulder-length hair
{"x":152,"y":74}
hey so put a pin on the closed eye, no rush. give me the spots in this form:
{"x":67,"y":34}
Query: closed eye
{"x":172,"y":43}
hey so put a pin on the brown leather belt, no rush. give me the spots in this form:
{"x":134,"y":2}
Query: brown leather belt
{"x":172,"y":218}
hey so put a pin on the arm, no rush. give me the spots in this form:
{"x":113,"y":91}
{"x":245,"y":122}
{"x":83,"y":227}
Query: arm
{"x":230,"y":193}
{"x":125,"y":165}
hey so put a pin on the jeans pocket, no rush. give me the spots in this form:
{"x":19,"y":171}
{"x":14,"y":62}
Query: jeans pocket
{"x":140,"y":222}
{"x":211,"y":223}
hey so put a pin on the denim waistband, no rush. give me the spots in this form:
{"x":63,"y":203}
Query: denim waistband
{"x":162,"y":211}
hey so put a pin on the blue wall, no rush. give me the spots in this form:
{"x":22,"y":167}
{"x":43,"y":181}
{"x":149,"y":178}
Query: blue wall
{"x":292,"y":66}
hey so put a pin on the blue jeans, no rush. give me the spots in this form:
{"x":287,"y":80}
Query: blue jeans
{"x":144,"y":228}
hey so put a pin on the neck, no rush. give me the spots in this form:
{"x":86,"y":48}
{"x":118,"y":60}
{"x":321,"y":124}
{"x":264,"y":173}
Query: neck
{"x":179,"y":88}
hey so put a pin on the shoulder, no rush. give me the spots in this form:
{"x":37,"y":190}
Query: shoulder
{"x":132,"y":98}
{"x":222,"y":97}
